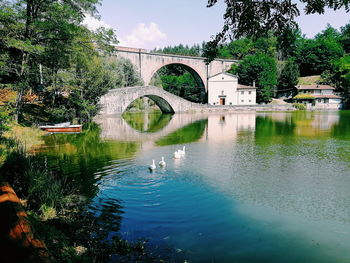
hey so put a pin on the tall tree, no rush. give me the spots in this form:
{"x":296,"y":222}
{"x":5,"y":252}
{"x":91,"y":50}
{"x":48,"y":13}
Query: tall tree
{"x":288,"y":78}
{"x":316,"y":55}
{"x":43,"y":44}
{"x":341,"y":77}
{"x":345,"y":37}
{"x":261,"y":69}
{"x":36,"y":34}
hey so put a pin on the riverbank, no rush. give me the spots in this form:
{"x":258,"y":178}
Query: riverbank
{"x":57,"y":205}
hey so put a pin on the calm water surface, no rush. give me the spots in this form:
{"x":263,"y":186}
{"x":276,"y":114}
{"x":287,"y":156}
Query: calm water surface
{"x":253,"y":187}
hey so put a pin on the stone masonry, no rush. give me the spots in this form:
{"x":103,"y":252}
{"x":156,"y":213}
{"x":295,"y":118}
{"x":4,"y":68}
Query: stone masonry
{"x":148,"y":63}
{"x":117,"y":100}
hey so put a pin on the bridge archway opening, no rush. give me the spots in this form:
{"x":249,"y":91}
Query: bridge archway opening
{"x":181,"y":80}
{"x":161,"y":103}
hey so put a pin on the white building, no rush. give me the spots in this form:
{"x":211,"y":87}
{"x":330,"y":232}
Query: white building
{"x":318,"y":96}
{"x":223,"y":89}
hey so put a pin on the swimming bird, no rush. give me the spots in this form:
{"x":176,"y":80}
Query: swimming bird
{"x":182,"y":152}
{"x":152,"y":166}
{"x":162,"y":163}
{"x":177,"y":155}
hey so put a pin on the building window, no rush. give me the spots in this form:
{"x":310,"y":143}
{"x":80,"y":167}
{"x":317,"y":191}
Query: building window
{"x":222,"y":92}
{"x":250,"y":100}
{"x":242,"y":92}
{"x":230,"y":103}
{"x":242,"y":100}
{"x":250,"y":92}
{"x":214,"y":103}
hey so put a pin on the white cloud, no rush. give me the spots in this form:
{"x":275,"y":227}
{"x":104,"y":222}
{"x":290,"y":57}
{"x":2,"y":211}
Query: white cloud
{"x":143,"y":36}
{"x":93,"y":23}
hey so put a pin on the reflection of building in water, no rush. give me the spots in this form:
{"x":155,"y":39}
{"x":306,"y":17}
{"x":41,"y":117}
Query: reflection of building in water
{"x":325,"y":121}
{"x":227,"y":127}
{"x":307,"y":123}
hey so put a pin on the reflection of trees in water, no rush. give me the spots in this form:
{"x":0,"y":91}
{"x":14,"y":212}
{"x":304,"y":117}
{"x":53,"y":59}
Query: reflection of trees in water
{"x":74,"y":159}
{"x":286,"y":128}
{"x":341,"y":130}
{"x":269,"y":131}
{"x":80,"y":156}
{"x":147,"y":122}
{"x":190,"y":133}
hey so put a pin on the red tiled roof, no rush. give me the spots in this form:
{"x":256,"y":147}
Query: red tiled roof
{"x":324,"y":96}
{"x":240,"y":86}
{"x":313,"y":87}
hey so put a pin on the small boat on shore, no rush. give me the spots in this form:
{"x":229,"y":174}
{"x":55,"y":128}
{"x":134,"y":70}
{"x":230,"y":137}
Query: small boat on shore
{"x":62,"y":127}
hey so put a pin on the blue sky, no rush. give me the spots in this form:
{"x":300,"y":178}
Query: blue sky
{"x":159,"y":23}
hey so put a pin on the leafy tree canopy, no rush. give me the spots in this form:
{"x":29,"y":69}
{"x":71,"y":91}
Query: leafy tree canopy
{"x":289,"y":76}
{"x":315,"y":55}
{"x":185,"y":50}
{"x":261,"y":69}
{"x":46,"y":51}
{"x":257,"y":18}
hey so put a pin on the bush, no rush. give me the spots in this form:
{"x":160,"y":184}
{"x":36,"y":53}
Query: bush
{"x":299,"y":106}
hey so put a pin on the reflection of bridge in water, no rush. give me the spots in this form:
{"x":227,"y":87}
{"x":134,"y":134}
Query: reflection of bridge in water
{"x":218,"y":127}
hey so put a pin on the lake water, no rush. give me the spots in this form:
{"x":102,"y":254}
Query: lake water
{"x":253,"y":187}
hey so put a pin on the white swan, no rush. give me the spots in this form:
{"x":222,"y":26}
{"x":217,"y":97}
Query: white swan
{"x":177,"y":155}
{"x":162,"y":163}
{"x":152,"y":166}
{"x":182,"y":152}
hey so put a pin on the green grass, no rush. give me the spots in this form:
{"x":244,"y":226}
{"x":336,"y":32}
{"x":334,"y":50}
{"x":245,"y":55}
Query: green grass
{"x":309,"y":80}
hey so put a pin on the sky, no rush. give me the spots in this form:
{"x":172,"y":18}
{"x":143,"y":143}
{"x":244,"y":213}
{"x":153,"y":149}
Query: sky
{"x":159,"y":23}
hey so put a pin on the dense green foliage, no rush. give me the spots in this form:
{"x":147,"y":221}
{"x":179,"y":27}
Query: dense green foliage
{"x":259,"y":18}
{"x":183,"y":86}
{"x":316,"y":55}
{"x":299,"y":106}
{"x":48,"y":57}
{"x":340,"y":76}
{"x":288,"y":77}
{"x":185,"y":50}
{"x":261,"y":69}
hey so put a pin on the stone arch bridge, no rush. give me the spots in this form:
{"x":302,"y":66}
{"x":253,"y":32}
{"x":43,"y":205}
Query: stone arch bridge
{"x":148,"y":63}
{"x":116,"y":101}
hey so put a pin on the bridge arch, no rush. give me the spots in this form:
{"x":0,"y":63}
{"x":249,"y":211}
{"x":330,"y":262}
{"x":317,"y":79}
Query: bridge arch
{"x":147,"y":63}
{"x":116,"y":101}
{"x":196,"y":75}
{"x":163,"y":105}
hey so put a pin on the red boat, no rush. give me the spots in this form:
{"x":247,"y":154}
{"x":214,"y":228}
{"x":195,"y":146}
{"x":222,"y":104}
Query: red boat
{"x":62,"y":127}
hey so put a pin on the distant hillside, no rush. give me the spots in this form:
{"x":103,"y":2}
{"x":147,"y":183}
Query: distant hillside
{"x":309,"y":80}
